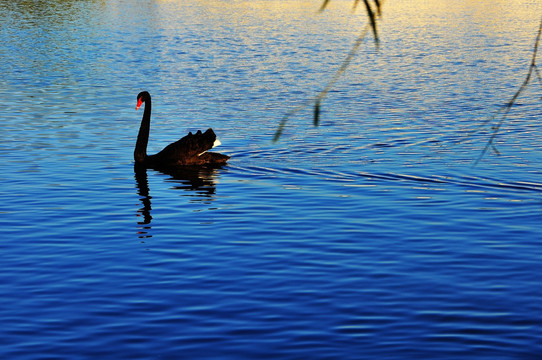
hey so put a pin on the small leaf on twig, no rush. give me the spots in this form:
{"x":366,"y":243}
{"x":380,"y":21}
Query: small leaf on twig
{"x":372,"y":19}
{"x":378,"y":9}
{"x":317,"y":112}
{"x":324,"y":5}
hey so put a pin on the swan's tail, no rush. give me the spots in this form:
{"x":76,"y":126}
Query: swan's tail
{"x":215,"y":144}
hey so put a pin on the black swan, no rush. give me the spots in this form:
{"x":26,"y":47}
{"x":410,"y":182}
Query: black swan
{"x":190,"y":150}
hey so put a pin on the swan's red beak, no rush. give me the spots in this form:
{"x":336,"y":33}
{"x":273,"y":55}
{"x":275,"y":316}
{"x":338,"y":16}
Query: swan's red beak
{"x":139,"y":102}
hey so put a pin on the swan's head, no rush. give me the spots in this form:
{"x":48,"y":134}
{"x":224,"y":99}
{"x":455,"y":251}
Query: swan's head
{"x":141,"y":98}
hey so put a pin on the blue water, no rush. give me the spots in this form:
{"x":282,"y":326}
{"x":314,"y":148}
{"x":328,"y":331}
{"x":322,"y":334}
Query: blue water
{"x":372,"y":236}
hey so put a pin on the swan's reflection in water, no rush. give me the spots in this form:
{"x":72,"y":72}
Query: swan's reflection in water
{"x":199,"y":181}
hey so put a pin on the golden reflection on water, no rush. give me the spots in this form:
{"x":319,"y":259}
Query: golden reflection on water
{"x":267,"y":19}
{"x":515,"y":19}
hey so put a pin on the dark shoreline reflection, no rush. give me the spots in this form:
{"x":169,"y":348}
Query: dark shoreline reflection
{"x":198,"y":179}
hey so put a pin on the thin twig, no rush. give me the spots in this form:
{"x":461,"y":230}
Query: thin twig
{"x":506,"y":108}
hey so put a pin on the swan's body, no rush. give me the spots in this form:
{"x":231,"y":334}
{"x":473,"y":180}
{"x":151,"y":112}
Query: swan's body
{"x":190,"y":150}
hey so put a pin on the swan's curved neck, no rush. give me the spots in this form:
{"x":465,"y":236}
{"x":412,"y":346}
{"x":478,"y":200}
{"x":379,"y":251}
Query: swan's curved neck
{"x":140,"y":152}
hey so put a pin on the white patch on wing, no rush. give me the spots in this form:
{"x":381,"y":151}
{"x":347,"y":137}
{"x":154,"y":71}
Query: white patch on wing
{"x":215,"y":144}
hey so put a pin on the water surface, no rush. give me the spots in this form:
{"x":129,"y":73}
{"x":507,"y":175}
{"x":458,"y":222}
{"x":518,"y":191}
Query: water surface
{"x":370,"y":236}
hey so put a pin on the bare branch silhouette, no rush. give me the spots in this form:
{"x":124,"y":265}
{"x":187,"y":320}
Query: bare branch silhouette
{"x":317,"y":101}
{"x":506,"y":108}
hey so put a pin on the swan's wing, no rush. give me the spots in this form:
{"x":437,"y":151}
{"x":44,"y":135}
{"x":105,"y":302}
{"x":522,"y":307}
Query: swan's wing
{"x":190,"y":146}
